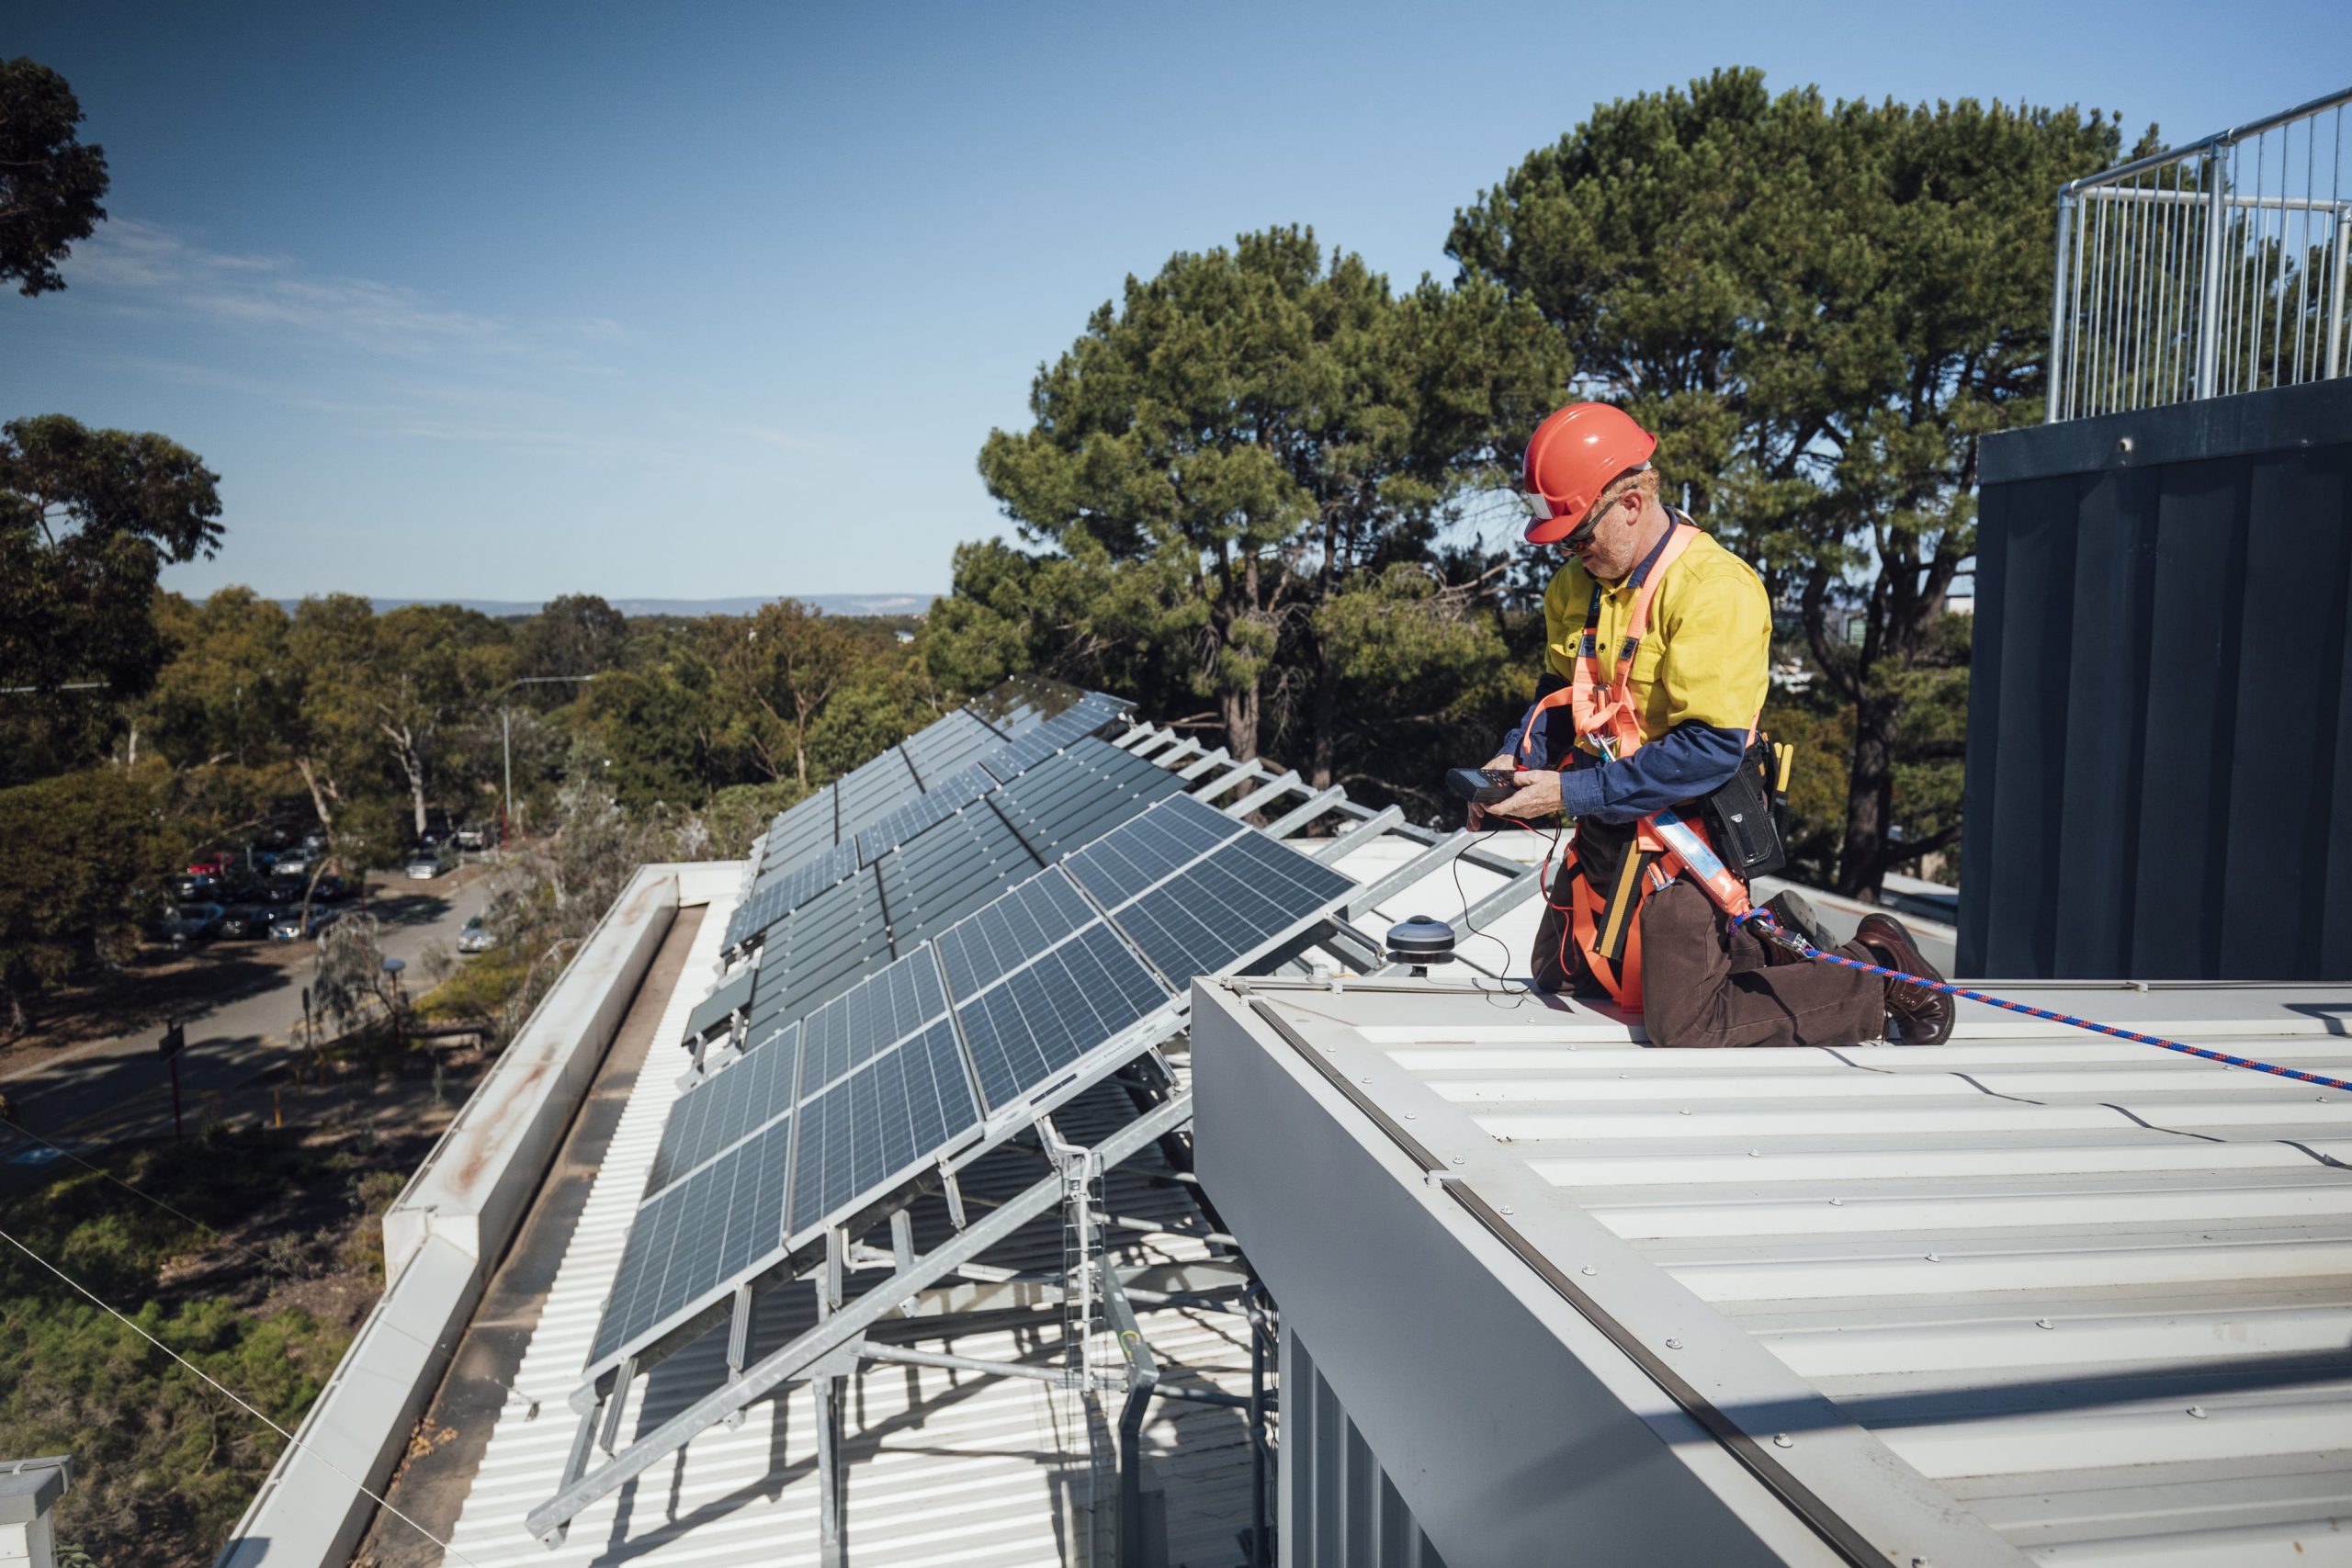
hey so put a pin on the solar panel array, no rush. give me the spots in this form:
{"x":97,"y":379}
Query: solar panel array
{"x":961,"y":973}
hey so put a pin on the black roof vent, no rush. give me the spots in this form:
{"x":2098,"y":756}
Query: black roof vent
{"x":1420,"y":942}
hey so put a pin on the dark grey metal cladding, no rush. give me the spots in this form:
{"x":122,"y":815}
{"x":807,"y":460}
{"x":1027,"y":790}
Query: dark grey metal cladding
{"x":1034,"y":1022}
{"x":961,"y":864}
{"x":1082,"y":794}
{"x":889,"y":1119}
{"x":2159,"y":775}
{"x":697,"y":1235}
{"x":719,"y":1006}
{"x":1227,"y":907}
{"x":1132,"y":857}
{"x":861,"y":1023}
{"x":943,"y":800}
{"x":726,"y":1108}
{"x":1012,"y":930}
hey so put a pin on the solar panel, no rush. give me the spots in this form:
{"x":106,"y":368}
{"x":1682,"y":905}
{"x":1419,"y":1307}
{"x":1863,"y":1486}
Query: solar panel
{"x":716,"y":1008}
{"x":1169,"y":835}
{"x":889,"y":1118}
{"x":873,"y":788}
{"x":861,"y":1023}
{"x":1046,"y":1014}
{"x":939,"y":749}
{"x":943,"y":799}
{"x":1080,"y":719}
{"x":708,"y":1120}
{"x":698,"y":1235}
{"x":1079,"y":795}
{"x":776,"y":892}
{"x":1024,"y":922}
{"x":800,"y":830}
{"x":1224,"y":910}
{"x":959,"y":865}
{"x":818,"y":951}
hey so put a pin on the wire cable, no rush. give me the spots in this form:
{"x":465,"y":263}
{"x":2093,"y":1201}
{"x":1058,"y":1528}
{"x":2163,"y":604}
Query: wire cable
{"x":234,"y":1398}
{"x":1762,"y":918}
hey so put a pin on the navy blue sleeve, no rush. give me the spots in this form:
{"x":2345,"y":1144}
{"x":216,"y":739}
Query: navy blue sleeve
{"x":1689,"y":761}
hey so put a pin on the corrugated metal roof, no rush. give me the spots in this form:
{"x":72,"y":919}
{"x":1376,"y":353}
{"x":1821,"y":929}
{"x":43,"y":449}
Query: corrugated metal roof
{"x":943,"y":1467}
{"x":2097,"y":1293}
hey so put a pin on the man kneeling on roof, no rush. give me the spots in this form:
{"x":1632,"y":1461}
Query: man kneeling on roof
{"x":1658,"y":649}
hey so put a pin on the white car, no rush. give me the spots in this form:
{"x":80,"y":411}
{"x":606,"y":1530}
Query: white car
{"x":427,"y":864}
{"x":476,"y":937}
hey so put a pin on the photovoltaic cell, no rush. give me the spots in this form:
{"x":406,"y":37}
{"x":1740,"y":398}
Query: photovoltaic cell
{"x":1048,"y":1014}
{"x":800,"y":830}
{"x":1081,"y":718}
{"x":1170,"y":835}
{"x":726,"y":1108}
{"x":818,"y":951}
{"x":1246,"y":894}
{"x":718,"y":1007}
{"x":891,"y":1117}
{"x":946,"y":798}
{"x":1014,"y":928}
{"x":867,"y":1020}
{"x":872,"y":789}
{"x":939,"y":749}
{"x":695,"y":1236}
{"x":1079,"y":795}
{"x":775,"y":893}
{"x":961,"y":864}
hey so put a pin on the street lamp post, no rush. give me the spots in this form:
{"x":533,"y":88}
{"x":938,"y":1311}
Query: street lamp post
{"x":506,"y":737}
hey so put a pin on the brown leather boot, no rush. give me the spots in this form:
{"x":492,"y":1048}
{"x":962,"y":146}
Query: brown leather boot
{"x":1926,"y":1016}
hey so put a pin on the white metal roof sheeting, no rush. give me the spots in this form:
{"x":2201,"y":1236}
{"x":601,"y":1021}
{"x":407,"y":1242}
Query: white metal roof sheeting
{"x":945,"y":1468}
{"x":2098,"y":1293}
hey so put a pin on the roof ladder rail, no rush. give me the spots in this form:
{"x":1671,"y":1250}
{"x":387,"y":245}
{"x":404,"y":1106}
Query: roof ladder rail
{"x":1265,"y":793}
{"x":1307,"y":811}
{"x":1363,"y":833}
{"x":1202,"y":763}
{"x":1405,"y":875}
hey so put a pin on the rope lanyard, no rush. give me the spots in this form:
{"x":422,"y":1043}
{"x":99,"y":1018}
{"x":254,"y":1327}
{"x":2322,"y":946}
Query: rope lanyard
{"x":1771,"y":930}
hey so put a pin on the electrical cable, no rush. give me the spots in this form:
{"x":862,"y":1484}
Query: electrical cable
{"x":1770,"y":928}
{"x":234,"y":1398}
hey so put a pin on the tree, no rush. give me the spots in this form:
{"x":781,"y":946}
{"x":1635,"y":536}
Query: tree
{"x":49,"y":182}
{"x":578,"y":634}
{"x":88,"y":519}
{"x":1821,"y":309}
{"x":1265,"y":424}
{"x":780,"y":667}
{"x":74,"y":853}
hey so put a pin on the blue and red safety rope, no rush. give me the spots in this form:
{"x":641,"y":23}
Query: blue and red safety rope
{"x":1771,"y":930}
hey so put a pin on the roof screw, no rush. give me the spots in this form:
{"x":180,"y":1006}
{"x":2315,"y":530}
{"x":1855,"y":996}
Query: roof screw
{"x":1588,"y":1268}
{"x":1783,"y":1440}
{"x":1508,"y":1210}
{"x":1459,"y":1159}
{"x":1686,"y":1110}
{"x":2198,"y":1411}
{"x":1408,"y":1116}
{"x":1755,"y":1154}
{"x":1918,"y":1563}
{"x":1933,"y":1258}
{"x":2043,"y":1323}
{"x":1674,"y":1344}
{"x":1837,"y":1202}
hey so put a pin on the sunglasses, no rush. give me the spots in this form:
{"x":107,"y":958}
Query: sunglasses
{"x":1540,"y":508}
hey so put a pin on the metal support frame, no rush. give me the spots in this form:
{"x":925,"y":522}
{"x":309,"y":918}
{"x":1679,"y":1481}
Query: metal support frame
{"x":1143,"y":1378}
{"x":1306,"y":811}
{"x":1404,"y":876}
{"x":1202,"y":763}
{"x":1264,"y":793}
{"x":839,"y":1329}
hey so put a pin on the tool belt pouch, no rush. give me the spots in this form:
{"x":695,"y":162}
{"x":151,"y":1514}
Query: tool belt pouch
{"x":1740,"y":819}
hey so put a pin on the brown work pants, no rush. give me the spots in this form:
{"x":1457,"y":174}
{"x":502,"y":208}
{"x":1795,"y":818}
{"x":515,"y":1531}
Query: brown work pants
{"x":1708,"y":982}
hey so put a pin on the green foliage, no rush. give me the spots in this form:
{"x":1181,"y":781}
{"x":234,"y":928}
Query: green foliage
{"x":82,"y":858}
{"x":740,"y":813}
{"x":49,"y":182}
{"x":1821,"y":308}
{"x":1261,"y":424}
{"x":88,"y":518}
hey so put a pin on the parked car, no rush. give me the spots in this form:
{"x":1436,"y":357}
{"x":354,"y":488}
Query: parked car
{"x":214,"y":862}
{"x":476,"y":937}
{"x":330,"y":890}
{"x":429,"y":860}
{"x":478,"y":836}
{"x":295,"y":860}
{"x":193,"y":923}
{"x":290,"y":926}
{"x":250,"y":922}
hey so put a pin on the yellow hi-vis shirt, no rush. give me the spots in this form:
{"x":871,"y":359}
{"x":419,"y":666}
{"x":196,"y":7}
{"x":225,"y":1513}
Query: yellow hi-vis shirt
{"x":1707,"y":655}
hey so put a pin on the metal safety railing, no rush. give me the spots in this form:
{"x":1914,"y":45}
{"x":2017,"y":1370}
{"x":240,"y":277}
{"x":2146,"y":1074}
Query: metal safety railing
{"x":2217,"y":267}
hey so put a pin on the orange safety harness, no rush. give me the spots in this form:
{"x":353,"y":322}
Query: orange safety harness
{"x":1664,"y":844}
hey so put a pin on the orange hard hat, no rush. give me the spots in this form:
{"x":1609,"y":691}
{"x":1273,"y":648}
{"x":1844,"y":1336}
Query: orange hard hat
{"x":1570,"y":460}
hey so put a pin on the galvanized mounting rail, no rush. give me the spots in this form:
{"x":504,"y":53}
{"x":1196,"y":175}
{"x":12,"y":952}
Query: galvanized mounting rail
{"x":2219,"y":266}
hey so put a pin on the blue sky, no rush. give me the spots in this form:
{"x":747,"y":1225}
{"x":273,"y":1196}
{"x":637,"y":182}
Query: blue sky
{"x":505,"y":301}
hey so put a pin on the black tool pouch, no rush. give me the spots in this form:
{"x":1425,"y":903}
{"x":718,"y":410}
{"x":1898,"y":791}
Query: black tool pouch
{"x":1740,"y":819}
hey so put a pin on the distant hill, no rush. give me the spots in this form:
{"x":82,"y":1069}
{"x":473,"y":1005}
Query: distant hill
{"x":830,"y":603}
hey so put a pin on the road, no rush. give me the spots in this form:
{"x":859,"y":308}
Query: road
{"x":119,"y":1087}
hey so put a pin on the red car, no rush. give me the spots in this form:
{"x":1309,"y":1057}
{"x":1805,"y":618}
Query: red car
{"x":214,"y":862}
